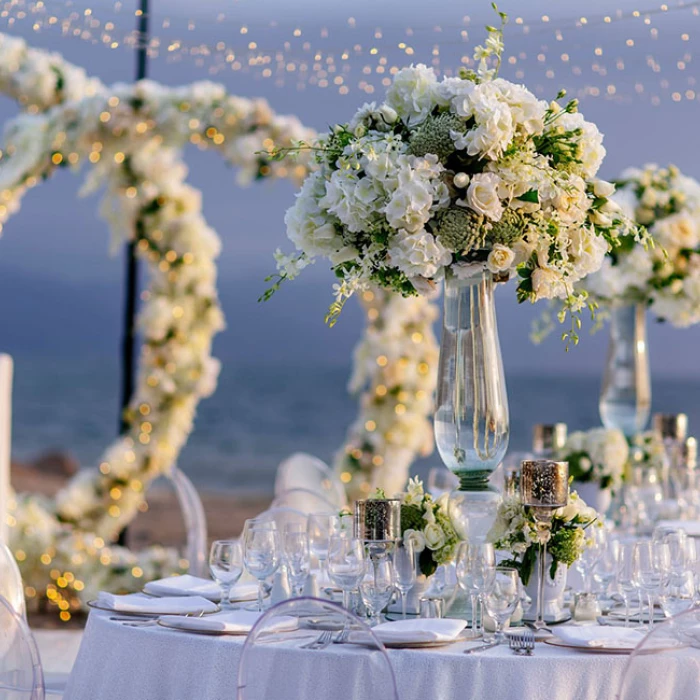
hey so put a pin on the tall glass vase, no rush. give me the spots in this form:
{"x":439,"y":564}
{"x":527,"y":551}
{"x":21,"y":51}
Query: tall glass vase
{"x":625,"y":398}
{"x":471,"y":418}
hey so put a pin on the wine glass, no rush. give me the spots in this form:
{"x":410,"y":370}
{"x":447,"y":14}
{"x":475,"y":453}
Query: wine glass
{"x":295,"y":549}
{"x":377,"y":587}
{"x":679,"y":594}
{"x":226,"y":567}
{"x":475,"y":569}
{"x":652,"y":565}
{"x":346,"y":565}
{"x":676,"y":541}
{"x":262,"y":554}
{"x":606,"y":566}
{"x":501,"y":598}
{"x":625,"y":577}
{"x":405,"y":570}
{"x":319,"y":529}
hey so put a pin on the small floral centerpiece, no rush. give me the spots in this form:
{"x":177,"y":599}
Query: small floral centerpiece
{"x":647,"y":449}
{"x":666,"y":276}
{"x":598,"y":455}
{"x":516,"y":531}
{"x":451,"y":176}
{"x":426,"y":523}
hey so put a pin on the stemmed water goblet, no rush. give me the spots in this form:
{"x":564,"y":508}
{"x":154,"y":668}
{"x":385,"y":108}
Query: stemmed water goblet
{"x":404,"y":569}
{"x":377,"y":587}
{"x":261,"y":554}
{"x":346,"y":565}
{"x":679,"y":594}
{"x":226,"y":567}
{"x":591,"y":555}
{"x":295,"y":550}
{"x":501,"y":598}
{"x":606,"y":567}
{"x":319,"y":529}
{"x":475,"y":569}
{"x":652,"y":566}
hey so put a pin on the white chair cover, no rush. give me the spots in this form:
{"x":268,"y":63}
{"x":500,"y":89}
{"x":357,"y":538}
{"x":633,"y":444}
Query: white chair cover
{"x":305,"y":501}
{"x":269,"y":669}
{"x":304,"y":471}
{"x":21,"y":676}
{"x":282,"y":516}
{"x":195,"y":522}
{"x":11,"y":586}
{"x":665,"y":665}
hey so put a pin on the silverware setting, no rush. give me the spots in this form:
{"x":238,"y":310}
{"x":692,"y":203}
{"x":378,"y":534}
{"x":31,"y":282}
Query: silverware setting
{"x":522,"y":643}
{"x":321,"y":642}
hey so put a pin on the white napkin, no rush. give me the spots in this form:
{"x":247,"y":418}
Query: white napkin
{"x":419,"y":630}
{"x":235,"y":622}
{"x":140,"y":603}
{"x":598,"y":636}
{"x":187,"y":585}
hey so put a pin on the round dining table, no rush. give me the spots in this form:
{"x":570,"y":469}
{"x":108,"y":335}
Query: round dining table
{"x":119,"y":660}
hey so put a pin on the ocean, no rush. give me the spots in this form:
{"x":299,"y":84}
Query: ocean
{"x":262,"y":413}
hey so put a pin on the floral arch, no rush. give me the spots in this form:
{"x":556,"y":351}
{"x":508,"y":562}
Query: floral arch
{"x":132,"y":137}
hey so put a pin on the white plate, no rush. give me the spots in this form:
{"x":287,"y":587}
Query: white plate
{"x":172,"y":623}
{"x":140,"y":613}
{"x":556,"y":642}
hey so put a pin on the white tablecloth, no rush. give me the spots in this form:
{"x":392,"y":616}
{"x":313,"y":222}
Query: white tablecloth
{"x":117,"y":662}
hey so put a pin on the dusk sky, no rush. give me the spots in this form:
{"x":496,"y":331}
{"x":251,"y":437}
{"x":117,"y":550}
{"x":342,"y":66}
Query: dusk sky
{"x":60,"y":291}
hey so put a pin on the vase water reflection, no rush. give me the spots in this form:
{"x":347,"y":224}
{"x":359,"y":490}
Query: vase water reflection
{"x":471,"y":419}
{"x":625,"y":399}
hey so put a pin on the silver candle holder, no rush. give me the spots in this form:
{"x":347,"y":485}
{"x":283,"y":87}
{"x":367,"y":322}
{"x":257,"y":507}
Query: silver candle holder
{"x":544,"y":487}
{"x":671,"y":426}
{"x":548,"y":438}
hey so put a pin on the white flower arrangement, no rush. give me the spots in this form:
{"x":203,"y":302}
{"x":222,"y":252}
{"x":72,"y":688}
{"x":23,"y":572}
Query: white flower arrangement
{"x":647,"y":449}
{"x":427,"y":524}
{"x":598,"y":455}
{"x":666,"y":276}
{"x":516,"y":531}
{"x":452,"y":176}
{"x":394,"y":372}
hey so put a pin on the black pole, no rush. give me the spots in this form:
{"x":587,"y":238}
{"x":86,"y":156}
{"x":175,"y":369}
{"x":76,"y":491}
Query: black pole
{"x":131,"y":263}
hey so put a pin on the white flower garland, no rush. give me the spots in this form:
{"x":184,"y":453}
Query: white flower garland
{"x":132,"y":135}
{"x":395,"y":371}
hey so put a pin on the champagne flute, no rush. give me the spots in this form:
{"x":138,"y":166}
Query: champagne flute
{"x":261,"y":554}
{"x":405,"y":570}
{"x":346,"y":565}
{"x":625,"y":576}
{"x":501,"y":598}
{"x":319,"y":529}
{"x":475,"y":570}
{"x":295,"y":549}
{"x":226,"y":567}
{"x":652,"y":568}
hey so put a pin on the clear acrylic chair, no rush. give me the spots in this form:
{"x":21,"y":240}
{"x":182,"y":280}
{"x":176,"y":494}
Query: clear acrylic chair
{"x":304,"y":471}
{"x":665,"y":665}
{"x":305,"y":501}
{"x":270,"y":668}
{"x":195,"y":523}
{"x":281,"y":515}
{"x":11,"y":586}
{"x":21,"y":676}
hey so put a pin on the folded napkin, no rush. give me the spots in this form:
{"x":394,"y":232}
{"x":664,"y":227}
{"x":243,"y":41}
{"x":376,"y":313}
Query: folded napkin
{"x":140,"y":603}
{"x":235,"y":622}
{"x":597,"y":636}
{"x":187,"y":585}
{"x":419,"y":630}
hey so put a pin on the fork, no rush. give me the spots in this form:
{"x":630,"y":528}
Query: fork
{"x":342,"y":636}
{"x":321,"y":642}
{"x":522,"y":643}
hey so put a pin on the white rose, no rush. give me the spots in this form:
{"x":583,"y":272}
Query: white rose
{"x":678,"y":230}
{"x":417,"y":538}
{"x":500,"y":259}
{"x":482,"y":195}
{"x":434,"y":536}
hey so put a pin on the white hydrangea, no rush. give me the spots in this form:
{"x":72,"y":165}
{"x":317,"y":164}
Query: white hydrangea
{"x":418,"y":254}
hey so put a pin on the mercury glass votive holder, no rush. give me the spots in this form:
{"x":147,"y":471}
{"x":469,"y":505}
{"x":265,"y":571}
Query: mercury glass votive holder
{"x":544,"y":483}
{"x":377,"y":520}
{"x":548,"y":438}
{"x":671,"y":426}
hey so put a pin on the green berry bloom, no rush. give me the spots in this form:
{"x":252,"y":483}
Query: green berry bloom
{"x":566,"y":545}
{"x":433,"y":136}
{"x":411,"y":518}
{"x":509,"y":229}
{"x":460,"y":230}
